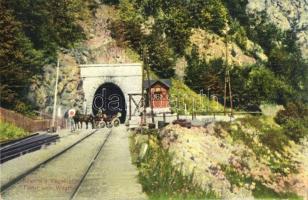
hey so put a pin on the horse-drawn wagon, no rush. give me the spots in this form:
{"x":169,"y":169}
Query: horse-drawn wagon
{"x":108,"y":121}
{"x":100,"y":120}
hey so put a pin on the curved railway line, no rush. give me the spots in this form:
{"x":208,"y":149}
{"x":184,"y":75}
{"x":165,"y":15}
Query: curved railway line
{"x":48,"y":162}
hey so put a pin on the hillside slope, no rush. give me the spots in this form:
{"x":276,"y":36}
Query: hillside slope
{"x":291,"y":14}
{"x":99,"y":47}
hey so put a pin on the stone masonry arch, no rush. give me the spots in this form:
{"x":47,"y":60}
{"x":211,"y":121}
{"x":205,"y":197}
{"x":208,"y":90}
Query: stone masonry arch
{"x":128,"y":77}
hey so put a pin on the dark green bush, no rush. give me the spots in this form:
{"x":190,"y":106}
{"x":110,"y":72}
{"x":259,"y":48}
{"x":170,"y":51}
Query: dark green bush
{"x":296,"y":129}
{"x":294,"y":120}
{"x":274,"y":139}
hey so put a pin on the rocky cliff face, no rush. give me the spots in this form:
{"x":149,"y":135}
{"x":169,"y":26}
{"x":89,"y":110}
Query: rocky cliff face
{"x":287,"y":14}
{"x":99,"y":47}
{"x":212,"y":46}
{"x":70,"y":93}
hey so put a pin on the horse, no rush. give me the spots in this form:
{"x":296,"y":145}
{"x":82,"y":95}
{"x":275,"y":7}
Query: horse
{"x":80,"y":118}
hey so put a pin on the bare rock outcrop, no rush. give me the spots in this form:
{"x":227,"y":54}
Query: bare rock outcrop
{"x":287,"y":15}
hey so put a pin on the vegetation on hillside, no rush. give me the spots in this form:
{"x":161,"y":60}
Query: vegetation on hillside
{"x":32,"y":32}
{"x":166,"y":26}
{"x":158,"y":177}
{"x":31,"y":35}
{"x":251,"y":157}
{"x":251,"y":85}
{"x":294,"y":120}
{"x":181,"y":95}
{"x":274,"y":150}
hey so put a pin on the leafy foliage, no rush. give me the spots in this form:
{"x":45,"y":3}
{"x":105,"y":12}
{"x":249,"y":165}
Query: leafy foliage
{"x":203,"y":75}
{"x":161,"y":180}
{"x":9,"y":132}
{"x":237,"y":10}
{"x":168,"y":25}
{"x":250,"y":85}
{"x":31,"y":33}
{"x":18,"y":60}
{"x":294,"y":120}
{"x":180,"y":94}
{"x":161,"y":57}
{"x":284,"y":55}
{"x":238,"y":34}
{"x":50,"y":24}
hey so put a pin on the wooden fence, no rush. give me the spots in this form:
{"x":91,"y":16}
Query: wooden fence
{"x":27,"y":123}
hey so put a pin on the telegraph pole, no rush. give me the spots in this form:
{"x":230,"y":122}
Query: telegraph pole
{"x":143,"y":117}
{"x":230,"y":93}
{"x":227,"y":81}
{"x":226,"y":69}
{"x":149,"y":82}
{"x":150,"y":93}
{"x":55,"y":97}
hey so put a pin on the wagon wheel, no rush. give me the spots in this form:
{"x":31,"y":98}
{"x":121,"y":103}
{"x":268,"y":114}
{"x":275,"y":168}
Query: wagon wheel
{"x":109,"y":125}
{"x":101,"y":124}
{"x":116,"y":122}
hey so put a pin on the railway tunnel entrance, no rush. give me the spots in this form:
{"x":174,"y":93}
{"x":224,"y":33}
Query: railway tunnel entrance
{"x":110,"y":99}
{"x":109,"y":86}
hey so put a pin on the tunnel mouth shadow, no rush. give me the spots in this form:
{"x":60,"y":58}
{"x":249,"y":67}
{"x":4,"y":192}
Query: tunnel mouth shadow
{"x":110,"y":98}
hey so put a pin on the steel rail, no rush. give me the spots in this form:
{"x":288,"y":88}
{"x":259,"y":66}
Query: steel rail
{"x":23,"y":143}
{"x":90,"y":166}
{"x":18,"y":151}
{"x":42,"y":138}
{"x":27,"y":144}
{"x":11,"y":142}
{"x":9,"y":184}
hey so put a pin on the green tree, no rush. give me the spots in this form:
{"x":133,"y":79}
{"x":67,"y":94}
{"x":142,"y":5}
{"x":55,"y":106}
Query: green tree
{"x":177,"y":28}
{"x":237,"y":10}
{"x":194,"y":70}
{"x":238,"y":34}
{"x":294,"y":120}
{"x":161,"y":56}
{"x":50,"y":24}
{"x":19,"y":62}
{"x":210,"y":14}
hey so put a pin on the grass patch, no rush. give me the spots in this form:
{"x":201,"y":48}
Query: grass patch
{"x":160,"y":179}
{"x":181,"y":94}
{"x":260,"y":191}
{"x":10,"y":132}
{"x":263,"y":192}
{"x":267,"y":131}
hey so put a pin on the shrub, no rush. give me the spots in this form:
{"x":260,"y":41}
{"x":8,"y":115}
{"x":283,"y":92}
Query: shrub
{"x":9,"y":131}
{"x":294,"y":120}
{"x":274,"y":139}
{"x":296,"y":129}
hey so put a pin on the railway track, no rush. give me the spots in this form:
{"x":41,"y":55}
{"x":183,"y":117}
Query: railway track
{"x":15,"y":148}
{"x":49,"y":164}
{"x":25,"y":145}
{"x":89,"y":167}
{"x":4,"y":144}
